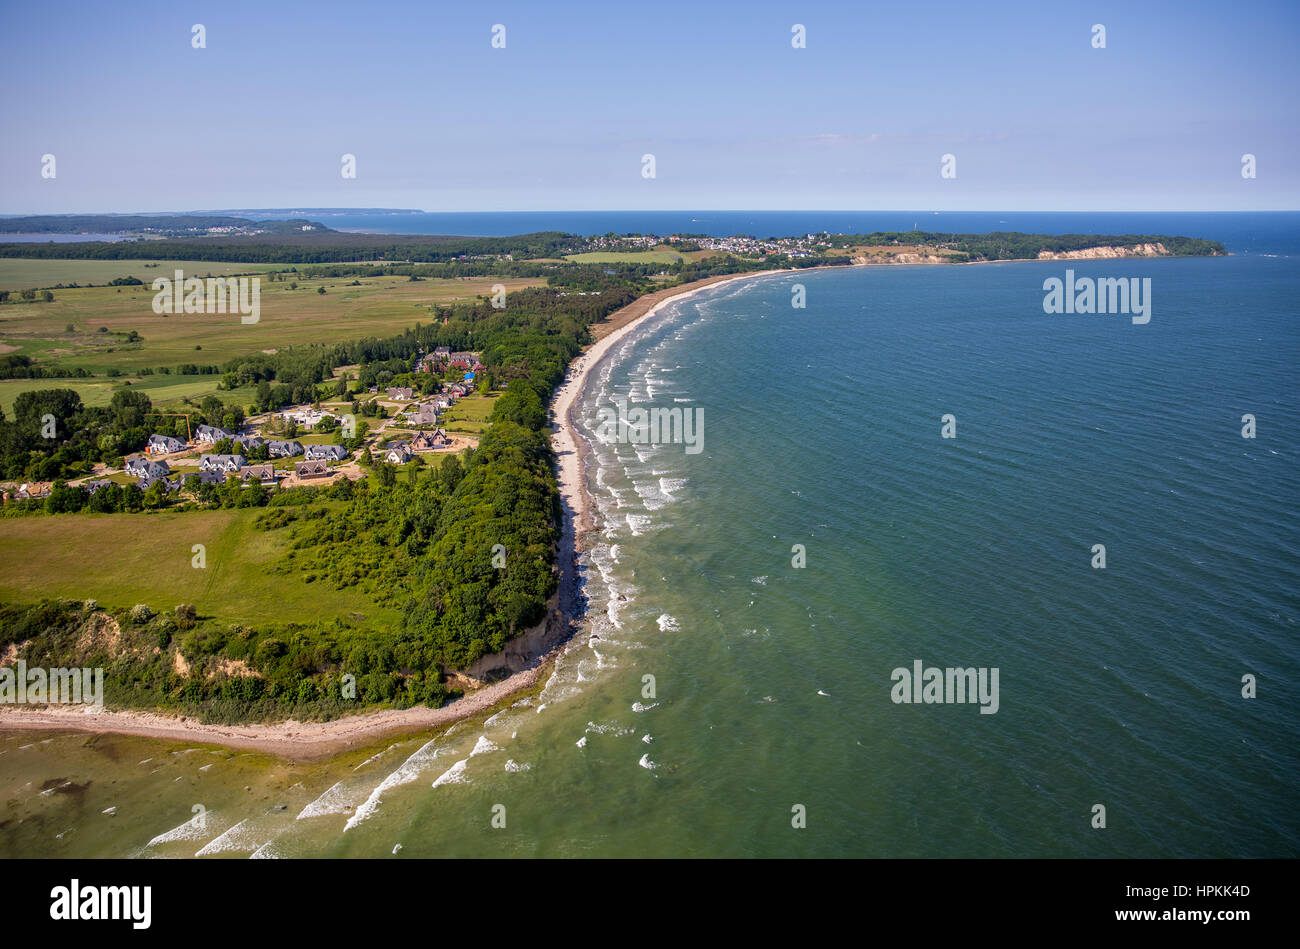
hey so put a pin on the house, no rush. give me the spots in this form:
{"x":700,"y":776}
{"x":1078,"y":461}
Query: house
{"x":325,"y":453}
{"x":90,"y":487}
{"x":226,"y":463}
{"x":163,"y":444}
{"x":442,"y":352}
{"x":401,"y":393}
{"x":248,"y":441}
{"x":210,"y":434}
{"x":262,"y":473}
{"x":398,"y":453}
{"x":142,"y":467}
{"x":211,"y":477}
{"x":426,"y":414}
{"x":311,"y":469}
{"x":168,"y":485}
{"x":284,"y":449}
{"x":430,"y":441}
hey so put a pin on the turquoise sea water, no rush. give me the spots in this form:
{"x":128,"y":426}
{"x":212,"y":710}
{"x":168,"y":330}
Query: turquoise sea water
{"x":772,"y":683}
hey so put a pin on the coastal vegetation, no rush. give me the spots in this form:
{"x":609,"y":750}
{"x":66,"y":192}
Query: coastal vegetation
{"x":316,"y":601}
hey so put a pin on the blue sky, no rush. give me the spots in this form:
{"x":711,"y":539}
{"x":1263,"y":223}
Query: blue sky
{"x":1038,"y":119}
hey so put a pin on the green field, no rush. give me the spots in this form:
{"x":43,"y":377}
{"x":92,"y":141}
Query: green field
{"x":165,"y":391}
{"x":21,"y":273}
{"x":469,"y":415}
{"x":659,"y":255}
{"x":378,"y":306}
{"x":124,"y":559}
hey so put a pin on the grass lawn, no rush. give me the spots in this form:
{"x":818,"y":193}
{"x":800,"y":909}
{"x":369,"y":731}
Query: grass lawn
{"x":469,"y":415}
{"x":124,"y":559}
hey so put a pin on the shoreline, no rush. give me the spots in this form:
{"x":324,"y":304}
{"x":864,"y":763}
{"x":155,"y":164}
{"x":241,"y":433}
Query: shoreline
{"x":305,"y":741}
{"x":309,"y":741}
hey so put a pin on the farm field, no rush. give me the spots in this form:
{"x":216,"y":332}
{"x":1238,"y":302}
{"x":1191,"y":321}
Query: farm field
{"x":124,"y":559}
{"x":21,"y":273}
{"x":165,"y":391}
{"x":378,"y":306}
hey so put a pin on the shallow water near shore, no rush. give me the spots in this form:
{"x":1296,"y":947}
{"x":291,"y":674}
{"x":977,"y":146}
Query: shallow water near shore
{"x":771,"y":686}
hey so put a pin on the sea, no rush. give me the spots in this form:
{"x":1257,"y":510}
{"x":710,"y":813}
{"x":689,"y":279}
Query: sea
{"x":1095,"y":539}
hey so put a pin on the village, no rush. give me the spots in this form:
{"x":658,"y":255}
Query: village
{"x":298,"y":445}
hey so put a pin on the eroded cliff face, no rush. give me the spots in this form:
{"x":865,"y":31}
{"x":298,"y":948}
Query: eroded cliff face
{"x":519,"y":653}
{"x":932,"y":255}
{"x":1089,"y":253}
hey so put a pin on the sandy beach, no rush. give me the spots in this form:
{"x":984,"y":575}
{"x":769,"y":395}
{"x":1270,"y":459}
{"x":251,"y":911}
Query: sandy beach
{"x":315,"y":740}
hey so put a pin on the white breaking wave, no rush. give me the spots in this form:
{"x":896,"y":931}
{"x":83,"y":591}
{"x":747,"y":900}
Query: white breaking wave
{"x":196,"y":828}
{"x":409,"y":771}
{"x":240,"y":837}
{"x":646,"y":763}
{"x":333,"y":801}
{"x":455,"y":774}
{"x":514,"y":767}
{"x":483,"y":746}
{"x":667,"y":623}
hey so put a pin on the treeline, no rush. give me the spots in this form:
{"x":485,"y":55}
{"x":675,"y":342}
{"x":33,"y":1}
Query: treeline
{"x":14,"y":366}
{"x":53,"y":435}
{"x":307,"y":247}
{"x":1014,"y":245}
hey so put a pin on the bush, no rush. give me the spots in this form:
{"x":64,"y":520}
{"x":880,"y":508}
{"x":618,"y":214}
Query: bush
{"x":140,"y":613}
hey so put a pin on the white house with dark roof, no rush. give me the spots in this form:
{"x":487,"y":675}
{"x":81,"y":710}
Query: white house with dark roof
{"x":426,"y":414}
{"x":142,"y":467}
{"x":163,"y":445}
{"x":280,"y":449}
{"x":210,"y":434}
{"x":325,"y":453}
{"x":226,"y":463}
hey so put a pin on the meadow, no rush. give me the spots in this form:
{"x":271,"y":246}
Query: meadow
{"x":124,"y":559}
{"x":89,"y":327}
{"x":165,"y":391}
{"x":374,"y":306}
{"x":21,"y":273}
